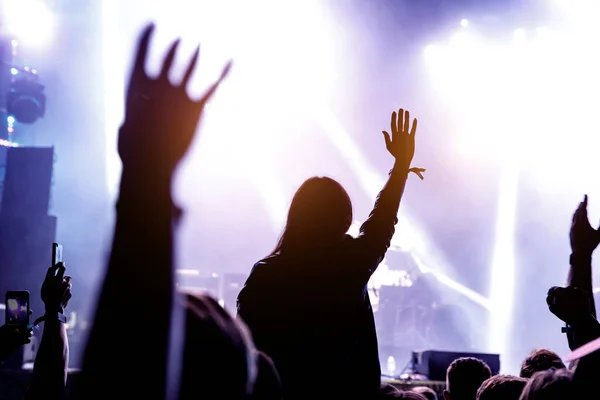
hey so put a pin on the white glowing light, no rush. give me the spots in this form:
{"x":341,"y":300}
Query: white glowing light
{"x":541,"y":31}
{"x":502,"y":103}
{"x":30,"y":21}
{"x":464,"y":23}
{"x":14,"y":71}
{"x":430,"y":50}
{"x":519,"y":35}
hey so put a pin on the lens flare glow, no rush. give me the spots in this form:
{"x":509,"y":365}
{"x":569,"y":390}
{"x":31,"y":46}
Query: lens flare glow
{"x":29,"y":21}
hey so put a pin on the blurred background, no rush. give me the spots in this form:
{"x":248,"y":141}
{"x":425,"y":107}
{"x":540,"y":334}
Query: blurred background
{"x":506,"y":93}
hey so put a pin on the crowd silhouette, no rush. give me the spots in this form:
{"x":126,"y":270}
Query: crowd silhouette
{"x":296,"y":317}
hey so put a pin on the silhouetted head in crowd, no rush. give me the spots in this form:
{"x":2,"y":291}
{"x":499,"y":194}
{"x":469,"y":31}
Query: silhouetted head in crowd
{"x":502,"y":387}
{"x":320,"y":214}
{"x":408,"y":395}
{"x":463,"y":378}
{"x":268,"y":384}
{"x":218,"y":354}
{"x":390,"y":392}
{"x":540,"y":360}
{"x":553,"y":384}
{"x":428,"y":393}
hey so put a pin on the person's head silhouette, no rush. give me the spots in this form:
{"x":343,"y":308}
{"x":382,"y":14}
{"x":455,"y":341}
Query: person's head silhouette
{"x":320,"y":214}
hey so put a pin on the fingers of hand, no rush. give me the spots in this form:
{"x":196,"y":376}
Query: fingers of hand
{"x":169,"y":58}
{"x":60,"y":273}
{"x":413,"y":131}
{"x":226,"y":70}
{"x":406,"y":122}
{"x":388,"y":140}
{"x":394,"y":124}
{"x":400,"y":126}
{"x":211,"y":91}
{"x":191,"y":67}
{"x":67,"y":286}
{"x":53,"y":270}
{"x":142,"y":51}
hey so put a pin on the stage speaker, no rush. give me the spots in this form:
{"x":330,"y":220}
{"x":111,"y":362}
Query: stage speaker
{"x":434,"y":364}
{"x":27,"y":181}
{"x":26,"y":254}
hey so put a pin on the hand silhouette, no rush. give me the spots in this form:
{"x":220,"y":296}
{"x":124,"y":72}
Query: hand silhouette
{"x":584,"y":238}
{"x":12,"y":337}
{"x":569,"y":304}
{"x":56,"y":289}
{"x":401,"y":144}
{"x":160,"y":118}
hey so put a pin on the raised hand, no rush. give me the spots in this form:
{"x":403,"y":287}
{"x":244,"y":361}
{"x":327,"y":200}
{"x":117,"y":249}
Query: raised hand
{"x":401,"y":143}
{"x":56,"y":289}
{"x":584,"y":238}
{"x":160,"y":118}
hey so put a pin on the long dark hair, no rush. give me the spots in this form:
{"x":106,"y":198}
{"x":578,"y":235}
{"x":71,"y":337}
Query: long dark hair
{"x":320,"y":213}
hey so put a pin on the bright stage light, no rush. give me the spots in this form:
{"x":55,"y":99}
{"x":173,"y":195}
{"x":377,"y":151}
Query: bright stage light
{"x":464,"y":23}
{"x":527,"y":105}
{"x":519,"y":35}
{"x":30,"y":21}
{"x":541,"y":32}
{"x":430,"y":50}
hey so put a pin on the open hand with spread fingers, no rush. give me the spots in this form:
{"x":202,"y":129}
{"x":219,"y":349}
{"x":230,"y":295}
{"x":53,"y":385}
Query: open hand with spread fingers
{"x":401,"y":143}
{"x":160,"y":117}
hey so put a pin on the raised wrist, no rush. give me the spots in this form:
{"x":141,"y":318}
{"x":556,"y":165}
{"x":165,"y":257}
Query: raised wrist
{"x":579,"y":257}
{"x":400,"y":169}
{"x":54,"y":310}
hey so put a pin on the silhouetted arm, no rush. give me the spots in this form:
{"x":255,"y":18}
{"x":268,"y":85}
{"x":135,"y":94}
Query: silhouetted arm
{"x":580,"y":276}
{"x":51,"y":363}
{"x":377,"y":232}
{"x":584,"y":239}
{"x":133,"y":316}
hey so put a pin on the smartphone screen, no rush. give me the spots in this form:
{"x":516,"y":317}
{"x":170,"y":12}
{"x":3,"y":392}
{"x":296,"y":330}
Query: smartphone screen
{"x":17,"y":307}
{"x":57,"y":250}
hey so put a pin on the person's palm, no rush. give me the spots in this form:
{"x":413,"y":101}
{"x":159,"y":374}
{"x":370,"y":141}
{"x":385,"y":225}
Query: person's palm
{"x":584,"y":239}
{"x":160,"y":118}
{"x":401,"y":143}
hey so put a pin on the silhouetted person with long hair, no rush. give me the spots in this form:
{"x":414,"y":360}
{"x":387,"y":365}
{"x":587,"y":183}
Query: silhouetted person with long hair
{"x":307,"y":303}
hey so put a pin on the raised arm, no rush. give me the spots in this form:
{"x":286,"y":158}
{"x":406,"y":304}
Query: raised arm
{"x":52,"y":359}
{"x":137,"y":295}
{"x":376,"y":233}
{"x":584,"y":240}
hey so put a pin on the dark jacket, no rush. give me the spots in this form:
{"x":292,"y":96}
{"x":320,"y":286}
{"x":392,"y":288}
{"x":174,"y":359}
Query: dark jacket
{"x":311,"y":312}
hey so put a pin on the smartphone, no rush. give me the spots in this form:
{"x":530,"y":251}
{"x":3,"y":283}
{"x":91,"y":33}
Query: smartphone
{"x":57,"y":250}
{"x":17,"y":307}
